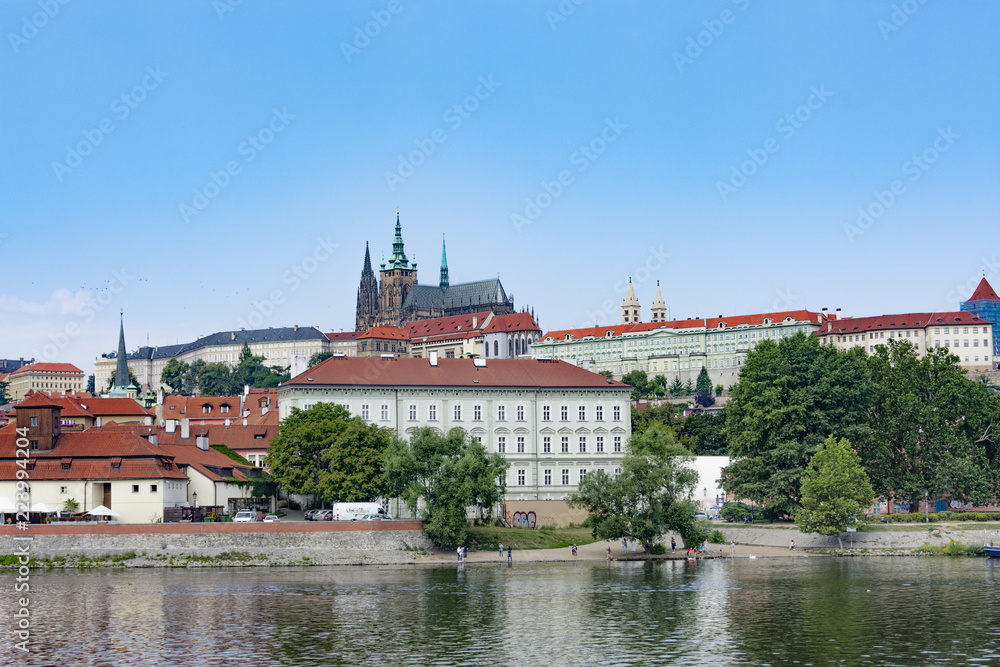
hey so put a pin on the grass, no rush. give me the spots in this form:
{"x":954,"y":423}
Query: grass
{"x":486,"y":538}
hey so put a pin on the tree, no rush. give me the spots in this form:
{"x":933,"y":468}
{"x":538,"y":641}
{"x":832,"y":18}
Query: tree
{"x":932,"y":428}
{"x":639,"y":383}
{"x":650,"y":496}
{"x":325,"y":452}
{"x":789,"y":398}
{"x":688,"y":387}
{"x":446,"y":474}
{"x":718,"y":390}
{"x":251,"y":372}
{"x":317,"y":357}
{"x":707,"y":433}
{"x":703,"y":389}
{"x":214,"y":379}
{"x":176,"y":374}
{"x":4,"y":396}
{"x":607,"y":374}
{"x":677,"y":387}
{"x":91,"y":385}
{"x":659,"y":384}
{"x":835,"y":488}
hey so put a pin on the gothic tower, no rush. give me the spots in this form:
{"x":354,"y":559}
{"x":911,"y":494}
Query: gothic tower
{"x":367,"y":312}
{"x":122,"y":386}
{"x":444,"y":267}
{"x":631,"y":311}
{"x":658,"y":313}
{"x":395,"y":279}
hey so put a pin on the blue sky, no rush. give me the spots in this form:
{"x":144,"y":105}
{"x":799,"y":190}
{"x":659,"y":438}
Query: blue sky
{"x":205,"y":166}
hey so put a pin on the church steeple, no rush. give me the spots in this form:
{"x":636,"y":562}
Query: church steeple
{"x":398,"y":258}
{"x":658,"y":313}
{"x":122,"y":386}
{"x":366,"y":314}
{"x":444,"y":266}
{"x":630,"y":307}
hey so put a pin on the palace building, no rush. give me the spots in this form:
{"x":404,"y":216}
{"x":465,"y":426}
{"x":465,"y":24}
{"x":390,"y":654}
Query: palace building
{"x":397,"y":299}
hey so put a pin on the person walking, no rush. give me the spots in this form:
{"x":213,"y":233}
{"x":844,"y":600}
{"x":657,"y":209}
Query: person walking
{"x":574,"y":551}
{"x":673,"y":544}
{"x":459,"y":550}
{"x":510,"y":554}
{"x":791,"y":547}
{"x":607,"y":550}
{"x":501,"y":550}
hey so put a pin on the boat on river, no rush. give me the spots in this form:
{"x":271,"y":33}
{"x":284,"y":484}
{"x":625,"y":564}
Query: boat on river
{"x":992,"y":552}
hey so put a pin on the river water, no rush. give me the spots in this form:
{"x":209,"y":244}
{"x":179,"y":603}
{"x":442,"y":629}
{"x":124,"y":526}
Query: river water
{"x":805,"y":611}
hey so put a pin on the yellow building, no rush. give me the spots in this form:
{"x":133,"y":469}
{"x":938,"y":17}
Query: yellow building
{"x":44,"y":377}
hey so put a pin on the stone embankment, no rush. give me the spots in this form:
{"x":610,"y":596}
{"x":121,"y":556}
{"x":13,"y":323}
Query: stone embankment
{"x":166,"y":545}
{"x":898,"y":537}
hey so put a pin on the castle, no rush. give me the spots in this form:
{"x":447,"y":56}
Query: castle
{"x":397,"y":299}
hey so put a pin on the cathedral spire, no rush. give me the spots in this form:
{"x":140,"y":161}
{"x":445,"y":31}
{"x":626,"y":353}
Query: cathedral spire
{"x":121,"y":386}
{"x":444,"y":265}
{"x":630,"y":307}
{"x":398,"y":258}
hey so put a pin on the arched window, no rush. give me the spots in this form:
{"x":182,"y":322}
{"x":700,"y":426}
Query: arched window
{"x":496,"y":348}
{"x":486,"y":350}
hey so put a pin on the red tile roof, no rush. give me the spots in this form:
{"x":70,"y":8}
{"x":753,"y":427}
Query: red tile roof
{"x":205,"y":461}
{"x":386,"y":333}
{"x":377,"y":371}
{"x":193,"y":407}
{"x":708,"y":323}
{"x":449,"y":326}
{"x":513,"y":322}
{"x":342,"y":335}
{"x":52,"y":469}
{"x":47,"y":368}
{"x":984,"y":292}
{"x":849,"y":325}
{"x":38,"y":400}
{"x":104,"y":407}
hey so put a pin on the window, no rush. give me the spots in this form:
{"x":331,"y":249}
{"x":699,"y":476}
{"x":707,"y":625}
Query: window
{"x":432,"y":412}
{"x":520,"y":477}
{"x":307,"y":406}
{"x":583,"y":473}
{"x":547,"y":444}
{"x":152,"y":488}
{"x":548,"y":477}
{"x":135,"y":488}
{"x":564,"y":413}
{"x":618,"y":443}
{"x":456,"y":413}
{"x":501,"y":413}
{"x":34,"y":421}
{"x":413,"y":412}
{"x":565,"y":477}
{"x":599,"y":413}
{"x":520,"y":413}
{"x":477,"y":413}
{"x":63,"y":489}
{"x":364,"y":411}
{"x":545,"y":413}
{"x":225,"y":409}
{"x":384,"y":412}
{"x":520,"y":444}
{"x":618,"y":413}
{"x":479,"y":439}
{"x":583,"y":444}
{"x":502,"y":444}
{"x":206,"y":409}
{"x":565,"y":444}
{"x":600,"y":444}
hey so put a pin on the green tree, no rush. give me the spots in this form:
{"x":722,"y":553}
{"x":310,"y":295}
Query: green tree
{"x":790,"y":397}
{"x":250,"y":371}
{"x":639,"y":383}
{"x":650,"y":496}
{"x":317,"y":357}
{"x":689,"y":388}
{"x":707,"y":433}
{"x":718,"y":390}
{"x":215,"y":379}
{"x":4,"y":396}
{"x":176,"y":375}
{"x":932,"y":428}
{"x":659,"y":385}
{"x":834,"y":491}
{"x":325,"y":452}
{"x":446,"y":475}
{"x":677,"y":387}
{"x":703,"y":389}
{"x":607,"y":374}
{"x":91,"y":385}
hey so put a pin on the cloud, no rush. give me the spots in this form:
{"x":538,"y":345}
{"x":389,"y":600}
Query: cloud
{"x":61,"y":301}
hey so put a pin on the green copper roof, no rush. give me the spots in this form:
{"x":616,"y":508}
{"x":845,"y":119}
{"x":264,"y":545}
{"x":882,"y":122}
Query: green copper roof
{"x":121,"y":364}
{"x":444,"y":266}
{"x":398,"y":258}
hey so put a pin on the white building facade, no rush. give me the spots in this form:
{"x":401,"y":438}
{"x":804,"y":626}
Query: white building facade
{"x":554,"y":422}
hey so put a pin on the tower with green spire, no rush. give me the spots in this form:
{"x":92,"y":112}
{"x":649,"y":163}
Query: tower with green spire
{"x":395,"y":279}
{"x":444,"y":266}
{"x":122,"y":386}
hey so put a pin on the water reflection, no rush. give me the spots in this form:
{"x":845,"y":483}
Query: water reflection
{"x":883,"y":611}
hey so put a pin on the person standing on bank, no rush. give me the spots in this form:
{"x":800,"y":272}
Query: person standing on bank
{"x":510,"y":554}
{"x":673,"y":544}
{"x":501,"y":550}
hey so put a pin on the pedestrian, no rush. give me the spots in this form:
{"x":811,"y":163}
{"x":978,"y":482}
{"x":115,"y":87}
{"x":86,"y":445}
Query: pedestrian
{"x":706,"y":547}
{"x":459,"y":550}
{"x":624,"y":544}
{"x":465,"y":552}
{"x":510,"y":554}
{"x":574,"y":551}
{"x":732,"y":549}
{"x":673,"y":544}
{"x":501,"y":550}
{"x":607,"y":550}
{"x":791,"y":547}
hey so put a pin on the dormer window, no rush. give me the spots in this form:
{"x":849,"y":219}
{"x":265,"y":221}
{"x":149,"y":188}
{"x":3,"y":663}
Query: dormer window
{"x":224,"y":408}
{"x":206,"y":409}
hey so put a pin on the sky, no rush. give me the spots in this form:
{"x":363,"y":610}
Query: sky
{"x":205,"y":166}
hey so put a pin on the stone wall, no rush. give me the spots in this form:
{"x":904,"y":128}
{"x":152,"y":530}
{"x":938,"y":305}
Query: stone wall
{"x":781,"y":536}
{"x":211,"y":544}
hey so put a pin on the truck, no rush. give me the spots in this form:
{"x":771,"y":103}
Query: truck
{"x":352,"y":511}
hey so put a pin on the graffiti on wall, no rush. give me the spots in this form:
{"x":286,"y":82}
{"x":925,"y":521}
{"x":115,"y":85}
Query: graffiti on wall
{"x":522,"y":520}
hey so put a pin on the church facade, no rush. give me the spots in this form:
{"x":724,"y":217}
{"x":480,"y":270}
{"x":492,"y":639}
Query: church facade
{"x":396,"y":298}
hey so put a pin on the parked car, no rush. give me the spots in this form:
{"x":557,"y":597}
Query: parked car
{"x":374,"y":517}
{"x":245,"y":516}
{"x":325,"y":515}
{"x":272,"y":518}
{"x":312,"y":515}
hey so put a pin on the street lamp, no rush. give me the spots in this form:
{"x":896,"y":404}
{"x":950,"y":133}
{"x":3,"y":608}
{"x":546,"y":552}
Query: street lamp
{"x":194,"y":497}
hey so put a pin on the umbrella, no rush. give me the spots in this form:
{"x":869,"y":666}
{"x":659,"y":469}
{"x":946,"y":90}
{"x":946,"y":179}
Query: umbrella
{"x":101,"y":510}
{"x":43,"y":508}
{"x":7,"y":505}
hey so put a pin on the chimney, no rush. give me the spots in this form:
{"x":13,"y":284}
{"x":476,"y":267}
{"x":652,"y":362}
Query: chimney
{"x":233,"y":335}
{"x":295,"y":327}
{"x":228,"y":422}
{"x":201,"y":442}
{"x":263,"y":410}
{"x":171,"y":425}
{"x":185,"y":428}
{"x":475,"y":321}
{"x":434,"y":358}
{"x":825,"y":313}
{"x":839,"y":314}
{"x":153,"y":439}
{"x":244,"y":421}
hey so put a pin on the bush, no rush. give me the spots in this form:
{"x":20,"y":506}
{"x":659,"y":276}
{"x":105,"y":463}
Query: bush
{"x":736,"y":511}
{"x":659,"y":549}
{"x":954,"y":548}
{"x":699,"y":533}
{"x":292,"y":505}
{"x":975,"y":549}
{"x":717,"y":537}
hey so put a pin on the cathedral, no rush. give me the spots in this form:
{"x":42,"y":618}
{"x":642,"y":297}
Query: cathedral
{"x":396,"y":298}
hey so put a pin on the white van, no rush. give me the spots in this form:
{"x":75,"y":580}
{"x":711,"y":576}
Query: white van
{"x":245,"y":516}
{"x":353,"y":511}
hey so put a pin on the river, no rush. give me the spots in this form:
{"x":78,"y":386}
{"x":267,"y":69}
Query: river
{"x":807,"y":611}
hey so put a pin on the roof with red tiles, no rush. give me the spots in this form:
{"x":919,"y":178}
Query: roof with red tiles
{"x":38,"y":400}
{"x":235,"y":436}
{"x":461,"y":325}
{"x":514,"y":322}
{"x":850,"y":325}
{"x":52,"y":469}
{"x":984,"y":292}
{"x":207,"y":462}
{"x":386,"y":333}
{"x":94,"y":442}
{"x":378,"y":371}
{"x":756,"y":319}
{"x":105,"y":407}
{"x":342,"y":335}
{"x":44,"y":367}
{"x":193,"y":407}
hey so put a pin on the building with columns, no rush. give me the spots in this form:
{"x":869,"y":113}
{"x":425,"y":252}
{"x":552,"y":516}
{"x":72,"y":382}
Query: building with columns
{"x":553,"y":421}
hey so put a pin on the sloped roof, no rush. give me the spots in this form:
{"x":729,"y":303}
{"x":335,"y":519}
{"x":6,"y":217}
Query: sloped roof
{"x":378,"y":371}
{"x":850,"y":325}
{"x":343,"y":335}
{"x":386,"y":333}
{"x":52,"y":469}
{"x":756,"y":319}
{"x":513,"y":322}
{"x":204,"y":460}
{"x":448,"y":326}
{"x":103,"y":407}
{"x":984,"y":292}
{"x":481,"y":293}
{"x":44,"y":367}
{"x":275,"y":335}
{"x":38,"y":400}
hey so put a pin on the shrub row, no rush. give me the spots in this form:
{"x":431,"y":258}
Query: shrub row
{"x":915,"y":517}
